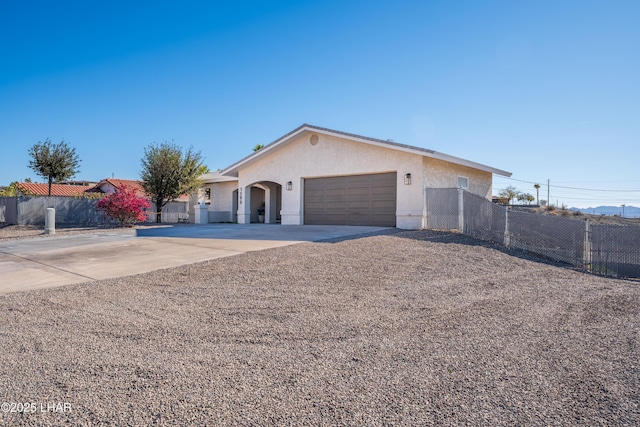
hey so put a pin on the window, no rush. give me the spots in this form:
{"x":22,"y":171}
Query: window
{"x":463,"y":182}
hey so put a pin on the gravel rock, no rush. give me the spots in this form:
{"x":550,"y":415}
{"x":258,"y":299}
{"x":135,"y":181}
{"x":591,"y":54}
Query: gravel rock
{"x":412,"y":328}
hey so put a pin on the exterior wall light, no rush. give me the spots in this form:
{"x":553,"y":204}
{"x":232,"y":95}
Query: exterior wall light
{"x":289,"y":185}
{"x":407,"y":179}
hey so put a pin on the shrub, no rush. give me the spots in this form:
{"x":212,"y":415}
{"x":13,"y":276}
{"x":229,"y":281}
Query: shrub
{"x":124,"y":206}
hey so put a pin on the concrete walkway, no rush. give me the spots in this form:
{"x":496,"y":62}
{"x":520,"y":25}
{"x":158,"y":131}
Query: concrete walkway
{"x":51,"y":261}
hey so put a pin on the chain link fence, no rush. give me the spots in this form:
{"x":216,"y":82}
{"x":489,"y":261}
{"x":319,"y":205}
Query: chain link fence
{"x":559,"y":239}
{"x":614,"y":250}
{"x":606,"y":249}
{"x":482,"y":220}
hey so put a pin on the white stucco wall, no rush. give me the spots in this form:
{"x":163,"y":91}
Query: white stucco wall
{"x":107,"y":188}
{"x":221,"y":207}
{"x":333,"y":156}
{"x":441,"y":174}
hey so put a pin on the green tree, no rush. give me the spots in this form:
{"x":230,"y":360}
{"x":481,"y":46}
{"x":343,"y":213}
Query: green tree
{"x":167,"y":173}
{"x":509,"y":193}
{"x":258,"y":147}
{"x":14,"y":189}
{"x":56,"y":162}
{"x":537,"y":187}
{"x":525,"y":197}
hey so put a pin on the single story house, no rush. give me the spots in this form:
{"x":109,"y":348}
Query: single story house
{"x":315,"y":175}
{"x":80,"y":188}
{"x":110,"y":185}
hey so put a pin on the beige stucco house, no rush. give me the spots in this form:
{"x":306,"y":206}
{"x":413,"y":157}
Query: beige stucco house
{"x":314,"y":175}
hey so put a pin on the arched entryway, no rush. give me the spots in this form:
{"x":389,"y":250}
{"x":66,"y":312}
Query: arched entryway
{"x":265,"y":195}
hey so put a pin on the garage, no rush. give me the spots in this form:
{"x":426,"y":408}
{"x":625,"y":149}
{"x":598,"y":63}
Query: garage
{"x":351,"y":200}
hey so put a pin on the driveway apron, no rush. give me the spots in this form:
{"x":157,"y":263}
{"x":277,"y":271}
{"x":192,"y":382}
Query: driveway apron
{"x":52,"y":261}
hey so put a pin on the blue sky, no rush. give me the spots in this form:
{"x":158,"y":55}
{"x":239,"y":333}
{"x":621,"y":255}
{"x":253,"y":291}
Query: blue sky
{"x":543,"y":89}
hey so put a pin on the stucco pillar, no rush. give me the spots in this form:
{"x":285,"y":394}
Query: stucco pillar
{"x":271,"y":201}
{"x":244,"y":205}
{"x":201,"y":213}
{"x":291,"y":210}
{"x":460,"y":210}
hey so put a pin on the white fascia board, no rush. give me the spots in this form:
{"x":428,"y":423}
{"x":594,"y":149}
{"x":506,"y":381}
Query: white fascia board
{"x":219,"y":179}
{"x":468,"y":163}
{"x":213,"y":177}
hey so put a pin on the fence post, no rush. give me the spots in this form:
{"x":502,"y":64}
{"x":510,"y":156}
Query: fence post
{"x":460,"y":210}
{"x":587,"y":246}
{"x":425,"y":211}
{"x":507,"y":237}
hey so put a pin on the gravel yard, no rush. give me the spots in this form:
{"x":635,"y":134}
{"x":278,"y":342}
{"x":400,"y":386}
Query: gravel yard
{"x":412,"y":328}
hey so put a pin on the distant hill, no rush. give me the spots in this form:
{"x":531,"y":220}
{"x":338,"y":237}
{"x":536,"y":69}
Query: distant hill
{"x":629,"y":211}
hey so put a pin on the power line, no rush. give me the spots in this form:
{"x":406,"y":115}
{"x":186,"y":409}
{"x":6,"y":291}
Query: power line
{"x":573,"y":188}
{"x":596,"y":189}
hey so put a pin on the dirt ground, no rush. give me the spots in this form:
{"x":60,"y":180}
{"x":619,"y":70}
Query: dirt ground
{"x":414,"y":328}
{"x":594,"y":219}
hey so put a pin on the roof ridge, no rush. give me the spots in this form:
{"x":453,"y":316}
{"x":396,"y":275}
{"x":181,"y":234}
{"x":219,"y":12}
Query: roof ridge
{"x":369,"y":138}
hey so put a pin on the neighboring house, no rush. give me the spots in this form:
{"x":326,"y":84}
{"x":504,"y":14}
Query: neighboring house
{"x":314,"y":175}
{"x":65,"y":190}
{"x":76,"y":189}
{"x":110,"y":185}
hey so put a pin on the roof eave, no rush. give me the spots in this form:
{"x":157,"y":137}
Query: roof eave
{"x":469,"y":164}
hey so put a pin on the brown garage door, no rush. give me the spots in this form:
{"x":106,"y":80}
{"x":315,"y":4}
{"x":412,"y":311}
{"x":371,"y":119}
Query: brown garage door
{"x":351,"y":200}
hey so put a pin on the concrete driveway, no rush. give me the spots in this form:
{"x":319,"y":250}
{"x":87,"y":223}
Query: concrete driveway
{"x":51,"y":261}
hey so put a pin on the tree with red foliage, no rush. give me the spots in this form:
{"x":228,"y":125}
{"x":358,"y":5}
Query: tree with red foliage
{"x":124,"y":206}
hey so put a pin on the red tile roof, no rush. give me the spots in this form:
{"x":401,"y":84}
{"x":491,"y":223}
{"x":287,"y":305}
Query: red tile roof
{"x":118,"y":183}
{"x":56,"y":189}
{"x":137,"y":185}
{"x":78,"y":190}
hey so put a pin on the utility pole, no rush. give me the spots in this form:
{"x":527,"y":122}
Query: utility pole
{"x":548,"y":197}
{"x":623,"y":210}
